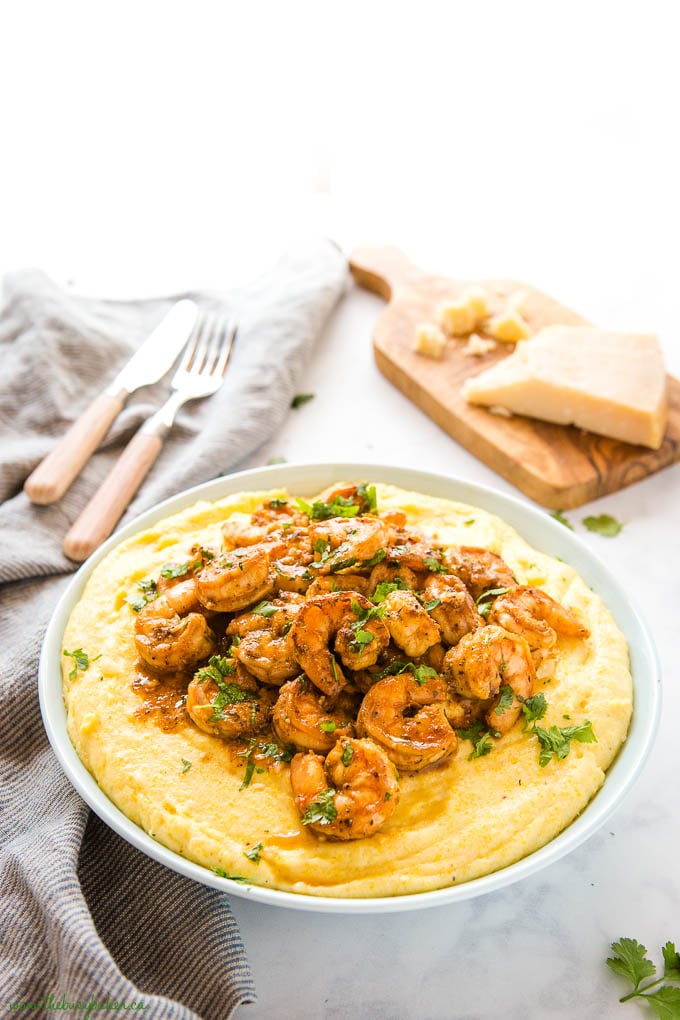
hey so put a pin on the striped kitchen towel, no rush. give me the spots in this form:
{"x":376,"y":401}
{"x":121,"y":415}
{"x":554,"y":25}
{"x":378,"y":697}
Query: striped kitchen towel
{"x":88,"y":919}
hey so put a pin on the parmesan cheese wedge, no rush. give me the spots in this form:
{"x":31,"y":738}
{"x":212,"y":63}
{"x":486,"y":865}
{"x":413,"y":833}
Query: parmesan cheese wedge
{"x":604,"y":381}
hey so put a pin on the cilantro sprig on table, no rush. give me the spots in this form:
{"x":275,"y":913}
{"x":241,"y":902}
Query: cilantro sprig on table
{"x":630,"y":961}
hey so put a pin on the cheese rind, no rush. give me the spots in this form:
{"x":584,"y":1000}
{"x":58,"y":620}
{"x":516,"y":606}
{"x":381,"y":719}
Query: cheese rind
{"x":610,"y":383}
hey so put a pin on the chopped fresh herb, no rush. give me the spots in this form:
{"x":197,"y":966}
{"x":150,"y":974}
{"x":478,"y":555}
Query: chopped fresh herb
{"x":374,"y":560}
{"x":480,"y":736}
{"x":469,"y":521}
{"x":422,"y":673}
{"x":234,"y":878}
{"x":347,"y":755}
{"x":321,"y":811}
{"x":557,"y":515}
{"x":322,"y":546}
{"x":432,"y":604}
{"x":394,"y":669}
{"x":486,"y":599}
{"x":248,"y":774}
{"x":534,"y":708}
{"x":367,"y":495}
{"x":343,"y":564}
{"x":254,"y":853}
{"x":320,"y":511}
{"x":631,"y":962}
{"x":556,"y":741}
{"x":434,"y":564}
{"x":227,"y":693}
{"x":301,"y":398}
{"x":81,"y":660}
{"x":388,"y":795}
{"x":334,"y":667}
{"x":277,"y":502}
{"x":507,"y":697}
{"x":286,"y":627}
{"x":604,"y":525}
{"x":265,"y":609}
{"x":363,"y":637}
{"x":148,"y":585}
{"x":186,"y":765}
{"x":327,"y":725}
{"x":276,"y":460}
{"x":385,"y":588}
{"x":276,"y":752}
{"x":235,"y":641}
{"x":172,"y":570}
{"x":218,"y":667}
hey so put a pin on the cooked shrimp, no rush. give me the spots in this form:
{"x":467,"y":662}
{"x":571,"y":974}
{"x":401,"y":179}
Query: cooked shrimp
{"x":265,"y":647}
{"x":536,"y":616}
{"x":306,"y":718}
{"x":388,"y":573}
{"x":172,"y":633}
{"x":479,"y":569}
{"x":486,"y":660}
{"x":228,"y":704}
{"x":359,"y":636}
{"x":350,"y":794}
{"x":235,"y":580}
{"x":409,"y":624}
{"x":346,"y":540}
{"x":455,"y":610}
{"x":338,"y":582}
{"x":408,"y":719}
{"x":172,"y":574}
{"x":410,"y":548}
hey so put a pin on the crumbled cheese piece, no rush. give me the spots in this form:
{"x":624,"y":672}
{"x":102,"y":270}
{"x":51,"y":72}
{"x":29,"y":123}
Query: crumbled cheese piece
{"x":607,"y":382}
{"x":429,"y":340}
{"x":477,"y":346}
{"x":463,"y":316}
{"x":509,"y":327}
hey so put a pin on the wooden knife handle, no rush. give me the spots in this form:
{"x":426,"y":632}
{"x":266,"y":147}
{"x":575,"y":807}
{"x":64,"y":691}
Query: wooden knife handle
{"x":383,"y":269}
{"x":54,"y":474}
{"x":106,"y":507}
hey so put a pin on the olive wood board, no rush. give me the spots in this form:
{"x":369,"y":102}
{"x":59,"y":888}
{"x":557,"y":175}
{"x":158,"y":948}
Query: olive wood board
{"x":558,"y":466}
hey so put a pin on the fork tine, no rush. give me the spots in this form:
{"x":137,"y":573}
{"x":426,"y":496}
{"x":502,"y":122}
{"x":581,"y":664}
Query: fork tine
{"x":225,"y":350}
{"x":216,"y":330}
{"x":190,"y":348}
{"x":202,"y":346}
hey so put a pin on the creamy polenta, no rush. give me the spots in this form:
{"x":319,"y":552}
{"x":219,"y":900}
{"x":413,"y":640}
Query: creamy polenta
{"x":228,"y":805}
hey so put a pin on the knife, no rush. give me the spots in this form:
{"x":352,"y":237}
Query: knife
{"x":54,"y":474}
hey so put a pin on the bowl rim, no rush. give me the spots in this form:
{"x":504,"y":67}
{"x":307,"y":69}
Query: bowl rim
{"x":544,"y":533}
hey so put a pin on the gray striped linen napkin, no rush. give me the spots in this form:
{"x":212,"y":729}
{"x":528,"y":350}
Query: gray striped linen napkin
{"x":86,"y":917}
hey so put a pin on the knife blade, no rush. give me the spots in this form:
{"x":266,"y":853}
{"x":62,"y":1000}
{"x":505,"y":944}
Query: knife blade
{"x":148,"y":364}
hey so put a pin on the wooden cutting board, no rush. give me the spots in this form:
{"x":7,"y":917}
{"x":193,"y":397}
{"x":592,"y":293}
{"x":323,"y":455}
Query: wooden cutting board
{"x":558,"y":466}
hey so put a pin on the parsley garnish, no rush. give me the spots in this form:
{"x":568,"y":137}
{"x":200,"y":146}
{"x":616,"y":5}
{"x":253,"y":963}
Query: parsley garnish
{"x":277,"y":502}
{"x":341,"y":506}
{"x":149,"y":588}
{"x":265,"y":609}
{"x":630,"y":961}
{"x":321,"y":811}
{"x":81,"y":660}
{"x":603,"y":524}
{"x":480,"y":736}
{"x":186,"y":765}
{"x":434,"y":564}
{"x":469,"y":521}
{"x":254,"y":853}
{"x":534,"y":708}
{"x":367,"y":495}
{"x":506,"y":699}
{"x":227,"y":693}
{"x":486,"y":599}
{"x":301,"y":398}
{"x":327,"y":725}
{"x":420,"y":673}
{"x":235,"y":878}
{"x":432,"y":604}
{"x":386,"y":588}
{"x":556,"y":741}
{"x":347,"y":755}
{"x":557,"y":515}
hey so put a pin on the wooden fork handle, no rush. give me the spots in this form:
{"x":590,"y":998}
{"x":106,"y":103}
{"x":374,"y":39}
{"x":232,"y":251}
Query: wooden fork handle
{"x":106,"y":507}
{"x":54,"y":474}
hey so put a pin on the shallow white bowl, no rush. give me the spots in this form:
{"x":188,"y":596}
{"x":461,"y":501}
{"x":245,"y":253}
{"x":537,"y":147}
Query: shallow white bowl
{"x":537,"y":527}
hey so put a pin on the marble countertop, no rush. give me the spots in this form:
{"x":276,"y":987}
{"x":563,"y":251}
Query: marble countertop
{"x":537,"y":948}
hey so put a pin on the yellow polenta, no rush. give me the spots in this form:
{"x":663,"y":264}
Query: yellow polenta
{"x":456,"y":821}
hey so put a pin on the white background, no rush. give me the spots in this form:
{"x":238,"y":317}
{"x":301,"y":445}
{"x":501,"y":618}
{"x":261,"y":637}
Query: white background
{"x":148,"y":147}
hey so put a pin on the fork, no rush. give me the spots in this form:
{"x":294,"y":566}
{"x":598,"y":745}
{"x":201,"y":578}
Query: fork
{"x":200,"y":374}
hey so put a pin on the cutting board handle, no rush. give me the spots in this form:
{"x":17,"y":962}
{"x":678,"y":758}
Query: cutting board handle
{"x":383,"y":269}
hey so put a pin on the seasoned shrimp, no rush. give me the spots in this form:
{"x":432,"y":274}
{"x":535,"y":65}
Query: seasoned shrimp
{"x":346,"y":540}
{"x":350,"y":794}
{"x":250,"y":529}
{"x":172,"y":633}
{"x":410,"y":548}
{"x":227,"y":702}
{"x":536,"y":616}
{"x":486,"y":660}
{"x":172,"y":574}
{"x":388,"y":573}
{"x":338,"y":582}
{"x":360,"y":637}
{"x":264,"y":644}
{"x":235,"y":580}
{"x":479,"y":569}
{"x":409,"y":624}
{"x":455,"y":610}
{"x":408,"y":719}
{"x":305,"y":717}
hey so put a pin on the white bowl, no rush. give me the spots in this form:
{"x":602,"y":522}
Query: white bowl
{"x":537,"y":527}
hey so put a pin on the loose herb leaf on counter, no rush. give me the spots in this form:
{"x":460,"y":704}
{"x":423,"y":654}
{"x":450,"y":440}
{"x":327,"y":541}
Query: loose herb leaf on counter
{"x":301,"y":398}
{"x":630,"y":961}
{"x":603,"y":524}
